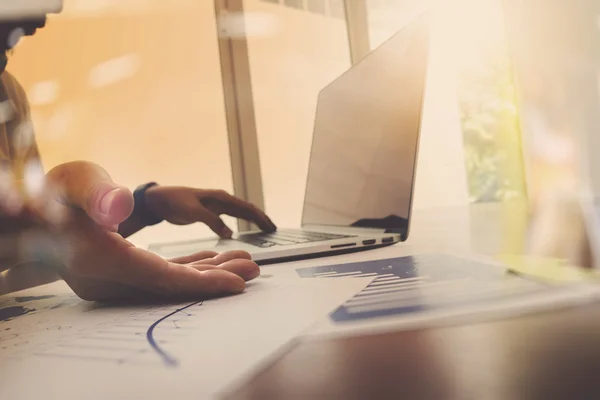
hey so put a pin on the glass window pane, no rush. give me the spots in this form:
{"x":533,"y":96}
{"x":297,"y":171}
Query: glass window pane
{"x":135,"y":87}
{"x":386,"y":17}
{"x":470,"y":84}
{"x":487,"y":102}
{"x":337,"y":9}
{"x":440,"y":175}
{"x":293,"y":3}
{"x":290,"y":64}
{"x":317,"y":6}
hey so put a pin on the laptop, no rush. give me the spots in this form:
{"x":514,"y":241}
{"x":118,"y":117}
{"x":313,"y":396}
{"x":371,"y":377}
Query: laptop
{"x":362,"y":165}
{"x":554,"y":48}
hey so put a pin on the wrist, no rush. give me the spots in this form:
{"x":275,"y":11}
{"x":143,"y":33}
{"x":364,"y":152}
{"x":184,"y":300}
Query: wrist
{"x":145,"y":201}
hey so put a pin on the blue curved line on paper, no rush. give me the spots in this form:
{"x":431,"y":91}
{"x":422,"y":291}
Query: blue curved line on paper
{"x":169,"y":360}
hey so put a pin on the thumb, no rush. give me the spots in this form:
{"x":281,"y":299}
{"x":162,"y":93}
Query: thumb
{"x":89,"y":187}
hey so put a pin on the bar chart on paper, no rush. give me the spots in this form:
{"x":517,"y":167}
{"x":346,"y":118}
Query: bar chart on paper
{"x":422,"y":285}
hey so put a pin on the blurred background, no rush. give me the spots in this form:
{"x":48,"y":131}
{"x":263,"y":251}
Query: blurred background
{"x":141,"y":87}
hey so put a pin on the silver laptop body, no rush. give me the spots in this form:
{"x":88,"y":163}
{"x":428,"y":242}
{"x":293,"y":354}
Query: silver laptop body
{"x":362,"y":167}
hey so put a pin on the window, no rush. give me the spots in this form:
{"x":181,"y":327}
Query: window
{"x":487,"y":105}
{"x":289,"y":66}
{"x":294,"y":3}
{"x":135,"y":87}
{"x":337,"y":9}
{"x":317,"y":6}
{"x":126,"y":84}
{"x":470,"y":56}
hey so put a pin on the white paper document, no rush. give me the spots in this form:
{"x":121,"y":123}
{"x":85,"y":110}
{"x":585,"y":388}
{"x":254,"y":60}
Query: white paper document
{"x":431,"y":290}
{"x":55,"y":346}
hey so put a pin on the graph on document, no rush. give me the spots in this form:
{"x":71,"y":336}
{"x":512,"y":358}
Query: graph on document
{"x":418,"y":284}
{"x":136,"y":335}
{"x":139,"y":338}
{"x":51,"y":325}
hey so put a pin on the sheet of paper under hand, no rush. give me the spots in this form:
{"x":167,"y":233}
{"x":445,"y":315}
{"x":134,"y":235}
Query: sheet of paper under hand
{"x":55,"y":346}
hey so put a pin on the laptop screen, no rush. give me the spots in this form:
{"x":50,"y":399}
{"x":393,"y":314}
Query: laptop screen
{"x":364,"y":150}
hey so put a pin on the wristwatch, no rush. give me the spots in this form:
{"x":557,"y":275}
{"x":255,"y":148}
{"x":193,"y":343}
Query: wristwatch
{"x":140,"y":207}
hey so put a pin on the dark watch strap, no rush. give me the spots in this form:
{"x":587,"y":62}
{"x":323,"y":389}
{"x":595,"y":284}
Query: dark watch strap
{"x":147,"y":217}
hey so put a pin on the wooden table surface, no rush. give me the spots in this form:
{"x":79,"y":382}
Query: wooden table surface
{"x":553,"y":355}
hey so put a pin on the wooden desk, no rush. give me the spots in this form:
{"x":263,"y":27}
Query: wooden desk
{"x":544,"y":356}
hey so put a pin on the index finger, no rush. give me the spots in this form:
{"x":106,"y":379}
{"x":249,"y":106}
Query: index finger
{"x":239,"y":208}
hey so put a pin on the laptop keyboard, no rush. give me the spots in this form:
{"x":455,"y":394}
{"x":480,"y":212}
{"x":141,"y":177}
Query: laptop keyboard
{"x":287,"y":238}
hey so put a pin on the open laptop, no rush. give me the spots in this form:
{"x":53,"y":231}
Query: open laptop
{"x":362,"y":166}
{"x":555,"y":52}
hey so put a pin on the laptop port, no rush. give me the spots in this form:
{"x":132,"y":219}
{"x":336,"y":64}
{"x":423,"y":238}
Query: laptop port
{"x":369,"y":242}
{"x":339,"y":246}
{"x":387,"y":240}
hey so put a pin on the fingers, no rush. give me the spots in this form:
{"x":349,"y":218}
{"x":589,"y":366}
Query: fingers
{"x":113,"y":259}
{"x":218,"y":259}
{"x":203,"y":255}
{"x":177,"y":281}
{"x":230,"y":205}
{"x":212,"y":220}
{"x":89,"y":187}
{"x":243,"y":268}
{"x":238,"y":262}
{"x":101,"y":290}
{"x":207,"y":284}
{"x":180,"y":280}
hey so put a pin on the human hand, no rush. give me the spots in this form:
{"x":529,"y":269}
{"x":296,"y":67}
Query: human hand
{"x":80,"y":185}
{"x":68,"y":230}
{"x":100,"y":265}
{"x":184,"y":206}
